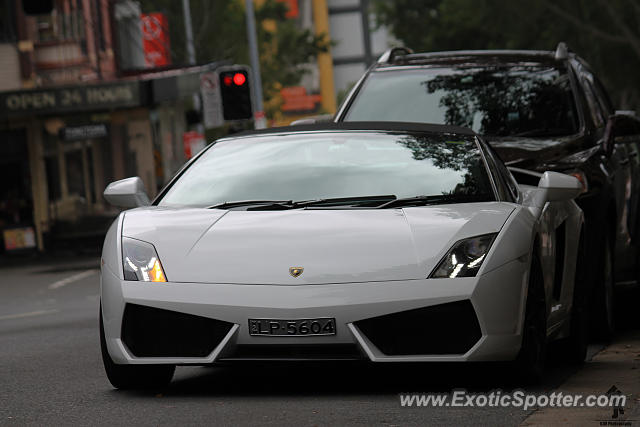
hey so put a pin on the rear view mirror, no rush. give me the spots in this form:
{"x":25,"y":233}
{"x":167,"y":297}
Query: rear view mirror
{"x":127,"y":193}
{"x":559,"y":186}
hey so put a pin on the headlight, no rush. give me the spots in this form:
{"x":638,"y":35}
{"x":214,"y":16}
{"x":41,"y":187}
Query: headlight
{"x":140,"y":261}
{"x":465,"y":258}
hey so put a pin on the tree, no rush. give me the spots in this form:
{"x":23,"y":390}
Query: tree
{"x":219,"y":32}
{"x":604,"y":32}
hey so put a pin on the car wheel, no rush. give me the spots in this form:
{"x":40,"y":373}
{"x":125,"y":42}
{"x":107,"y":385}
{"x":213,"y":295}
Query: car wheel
{"x":575,"y":346}
{"x":603,"y":324}
{"x":128,"y":377}
{"x":531,"y":359}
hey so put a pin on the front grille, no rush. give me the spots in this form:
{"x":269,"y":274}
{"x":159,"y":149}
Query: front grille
{"x":295,"y":352}
{"x":154,"y":332}
{"x":450,"y":328}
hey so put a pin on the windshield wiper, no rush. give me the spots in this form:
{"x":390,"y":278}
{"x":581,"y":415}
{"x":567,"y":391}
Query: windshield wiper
{"x":361,"y":201}
{"x":433,"y":200}
{"x":240,"y":203}
{"x":341,"y":201}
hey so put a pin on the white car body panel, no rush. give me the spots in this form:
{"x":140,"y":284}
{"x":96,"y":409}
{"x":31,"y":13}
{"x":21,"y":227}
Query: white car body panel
{"x":334,"y":246}
{"x":358,"y":264}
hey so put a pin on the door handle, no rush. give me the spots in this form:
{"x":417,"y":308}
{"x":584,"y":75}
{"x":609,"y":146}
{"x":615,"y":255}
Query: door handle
{"x":624,"y":162}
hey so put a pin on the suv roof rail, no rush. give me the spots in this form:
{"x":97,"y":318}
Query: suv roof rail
{"x":562,"y":51}
{"x":390,"y":54}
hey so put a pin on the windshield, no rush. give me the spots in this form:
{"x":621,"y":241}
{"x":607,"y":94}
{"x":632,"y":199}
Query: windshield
{"x":308,"y":166}
{"x":513,"y":101}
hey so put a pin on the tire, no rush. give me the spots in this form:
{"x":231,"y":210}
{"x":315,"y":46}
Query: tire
{"x":531,"y":359}
{"x":574,"y":347}
{"x":131,"y":377}
{"x":602,"y":301}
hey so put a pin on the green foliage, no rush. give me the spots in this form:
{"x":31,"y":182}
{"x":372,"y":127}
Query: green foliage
{"x":219,"y":32}
{"x":284,"y":52}
{"x":604,"y":32}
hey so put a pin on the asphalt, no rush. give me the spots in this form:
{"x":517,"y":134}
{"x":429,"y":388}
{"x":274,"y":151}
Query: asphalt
{"x":616,"y":366}
{"x":51,"y":372}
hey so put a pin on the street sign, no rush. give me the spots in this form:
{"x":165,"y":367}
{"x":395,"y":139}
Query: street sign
{"x":212,"y":115}
{"x":72,"y":98}
{"x":79,"y":133}
{"x":155,"y":39}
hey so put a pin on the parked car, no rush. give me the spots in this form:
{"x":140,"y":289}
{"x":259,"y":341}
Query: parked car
{"x":392,"y":242}
{"x":540,"y":110}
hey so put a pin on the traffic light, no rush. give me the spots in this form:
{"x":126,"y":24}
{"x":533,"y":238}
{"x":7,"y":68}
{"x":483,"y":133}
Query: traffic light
{"x":235,"y":93}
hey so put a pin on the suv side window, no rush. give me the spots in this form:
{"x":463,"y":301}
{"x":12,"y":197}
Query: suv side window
{"x":597,"y":114}
{"x":603,"y":97}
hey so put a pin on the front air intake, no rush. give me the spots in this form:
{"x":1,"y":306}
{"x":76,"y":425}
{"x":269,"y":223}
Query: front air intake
{"x":450,"y":328}
{"x":154,"y":332}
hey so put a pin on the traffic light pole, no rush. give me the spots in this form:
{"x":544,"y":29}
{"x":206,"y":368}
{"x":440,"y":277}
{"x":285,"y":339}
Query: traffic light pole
{"x":259,"y":117}
{"x":191,"y":54}
{"x":188,"y":32}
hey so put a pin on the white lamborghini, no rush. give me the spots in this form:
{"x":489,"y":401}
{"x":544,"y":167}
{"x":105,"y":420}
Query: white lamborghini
{"x":385,"y":242}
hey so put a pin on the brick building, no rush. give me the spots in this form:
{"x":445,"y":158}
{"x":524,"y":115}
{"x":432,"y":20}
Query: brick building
{"x":75,"y":115}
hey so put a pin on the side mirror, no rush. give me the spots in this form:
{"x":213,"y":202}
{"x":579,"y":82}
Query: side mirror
{"x":622,"y":127}
{"x":127,"y":193}
{"x":559,"y":186}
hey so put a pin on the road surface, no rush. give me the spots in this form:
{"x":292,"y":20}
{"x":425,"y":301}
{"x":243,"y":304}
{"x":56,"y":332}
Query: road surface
{"x":51,"y":373}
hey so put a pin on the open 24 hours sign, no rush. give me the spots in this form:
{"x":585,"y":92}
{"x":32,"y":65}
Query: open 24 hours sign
{"x":73,"y":98}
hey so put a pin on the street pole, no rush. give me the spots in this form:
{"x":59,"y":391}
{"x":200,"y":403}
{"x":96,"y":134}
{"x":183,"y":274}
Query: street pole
{"x":325,"y":62}
{"x":188,"y":32}
{"x":191,"y":54}
{"x":258,"y":115}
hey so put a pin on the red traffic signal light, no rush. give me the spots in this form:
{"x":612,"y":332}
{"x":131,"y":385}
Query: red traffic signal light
{"x":239,"y":79}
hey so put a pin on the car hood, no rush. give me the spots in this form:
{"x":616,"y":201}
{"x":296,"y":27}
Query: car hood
{"x":539,"y":153}
{"x":333,"y":246}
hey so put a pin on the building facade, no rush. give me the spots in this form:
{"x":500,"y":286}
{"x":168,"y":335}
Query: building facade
{"x":358,"y":40}
{"x":72,"y":119}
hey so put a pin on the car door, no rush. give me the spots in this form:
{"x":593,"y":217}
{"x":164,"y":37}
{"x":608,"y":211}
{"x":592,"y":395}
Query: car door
{"x":633,"y":154}
{"x":626,"y":134}
{"x":558,"y":247}
{"x":618,"y":167}
{"x":627,"y":128}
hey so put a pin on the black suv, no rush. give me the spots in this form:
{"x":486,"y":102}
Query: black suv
{"x":540,"y":110}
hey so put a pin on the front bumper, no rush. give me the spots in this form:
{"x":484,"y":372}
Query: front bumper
{"x":496,"y":297}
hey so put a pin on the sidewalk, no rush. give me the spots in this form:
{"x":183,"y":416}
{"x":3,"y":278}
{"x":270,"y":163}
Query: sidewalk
{"x":617,"y":365}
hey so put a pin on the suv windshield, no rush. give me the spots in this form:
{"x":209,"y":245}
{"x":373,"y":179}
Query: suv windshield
{"x":321,"y":165}
{"x":494,"y":101}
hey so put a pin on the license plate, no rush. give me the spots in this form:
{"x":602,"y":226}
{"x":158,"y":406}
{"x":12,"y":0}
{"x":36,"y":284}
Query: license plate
{"x":292,"y":328}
